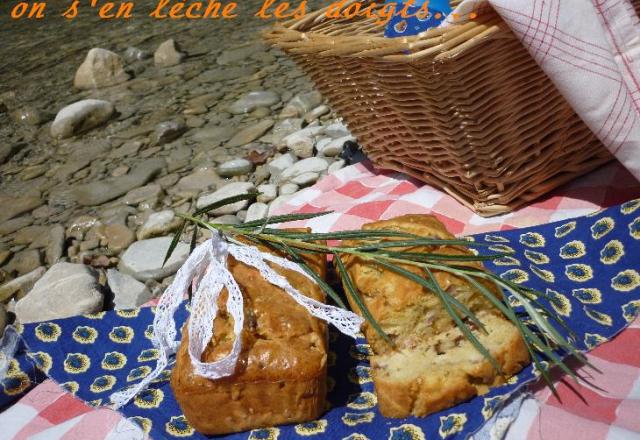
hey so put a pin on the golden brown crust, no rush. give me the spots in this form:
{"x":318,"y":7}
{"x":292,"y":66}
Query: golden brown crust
{"x":284,"y":357}
{"x":433,"y":366}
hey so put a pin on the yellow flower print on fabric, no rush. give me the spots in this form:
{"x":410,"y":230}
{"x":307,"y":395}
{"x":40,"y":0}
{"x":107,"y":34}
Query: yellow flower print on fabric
{"x":311,"y":428}
{"x":70,"y":387}
{"x":98,"y":315}
{"x":148,"y":333}
{"x":513,"y":301}
{"x":579,"y":272}
{"x":76,"y":363}
{"x":179,"y":427}
{"x":631,"y":310}
{"x":634,"y":228}
{"x":85,"y":335}
{"x":149,"y":398}
{"x":364,"y":400}
{"x":517,"y":276}
{"x":536,"y":257}
{"x":630,"y":207}
{"x":532,"y":239}
{"x":360,"y":352}
{"x":543,"y":274}
{"x":121,"y":334}
{"x":502,"y":249}
{"x":15,"y":384}
{"x":149,"y":354}
{"x":163,"y":377}
{"x":599,"y":317}
{"x":48,"y":331}
{"x":264,"y":434}
{"x":565,"y":229}
{"x":42,"y":360}
{"x":102,"y":383}
{"x":506,"y":261}
{"x":144,"y":423}
{"x":353,"y":419}
{"x":452,"y":424}
{"x":573,"y":249}
{"x":14,"y":366}
{"x":495,"y":239}
{"x":406,"y":432}
{"x":602,"y":227}
{"x":612,"y":252}
{"x":356,"y":436}
{"x":559,"y":302}
{"x":544,"y":365}
{"x":138,"y":373}
{"x":360,"y":374}
{"x":490,"y":406}
{"x":132,"y":313}
{"x":592,"y":340}
{"x":587,"y":296}
{"x":626,"y":281}
{"x":113,"y":360}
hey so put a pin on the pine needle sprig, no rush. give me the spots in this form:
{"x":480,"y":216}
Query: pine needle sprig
{"x":394,"y":251}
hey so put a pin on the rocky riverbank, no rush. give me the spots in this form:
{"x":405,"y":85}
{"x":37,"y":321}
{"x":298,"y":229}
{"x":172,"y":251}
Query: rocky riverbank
{"x":105,"y":138}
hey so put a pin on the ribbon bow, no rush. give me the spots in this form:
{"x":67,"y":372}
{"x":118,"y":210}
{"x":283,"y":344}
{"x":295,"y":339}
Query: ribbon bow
{"x":206,"y":269}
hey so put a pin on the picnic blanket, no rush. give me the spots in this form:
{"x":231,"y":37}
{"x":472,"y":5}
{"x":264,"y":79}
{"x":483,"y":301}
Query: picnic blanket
{"x":358,"y":195}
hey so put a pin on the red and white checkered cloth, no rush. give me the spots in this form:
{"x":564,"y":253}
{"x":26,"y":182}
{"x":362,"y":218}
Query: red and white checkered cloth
{"x":591,"y":51}
{"x":357,"y":196}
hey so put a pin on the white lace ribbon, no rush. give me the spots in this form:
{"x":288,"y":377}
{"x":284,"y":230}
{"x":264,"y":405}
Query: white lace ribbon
{"x":206,"y":269}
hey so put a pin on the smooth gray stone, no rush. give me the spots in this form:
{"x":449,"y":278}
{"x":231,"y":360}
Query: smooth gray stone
{"x":143,"y":259}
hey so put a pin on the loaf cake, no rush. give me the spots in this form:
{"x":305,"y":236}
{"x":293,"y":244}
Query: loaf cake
{"x":281,"y":374}
{"x":431,"y":366}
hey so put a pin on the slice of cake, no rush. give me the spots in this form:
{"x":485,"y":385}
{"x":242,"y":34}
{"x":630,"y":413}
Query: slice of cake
{"x":433,"y":366}
{"x":282,"y":371}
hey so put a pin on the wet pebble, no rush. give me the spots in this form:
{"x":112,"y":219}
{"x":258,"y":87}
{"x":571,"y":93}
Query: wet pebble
{"x":234,"y":167}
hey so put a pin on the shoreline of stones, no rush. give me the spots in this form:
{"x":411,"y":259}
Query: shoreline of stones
{"x":53,"y":265}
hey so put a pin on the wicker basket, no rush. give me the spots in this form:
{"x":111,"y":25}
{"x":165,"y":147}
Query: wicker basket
{"x":465,"y":109}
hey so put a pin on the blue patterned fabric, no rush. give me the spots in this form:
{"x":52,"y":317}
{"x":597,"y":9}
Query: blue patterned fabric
{"x":412,"y":25}
{"x":587,"y":266}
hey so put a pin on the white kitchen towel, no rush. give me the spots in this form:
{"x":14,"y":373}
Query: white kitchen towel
{"x":591,"y":51}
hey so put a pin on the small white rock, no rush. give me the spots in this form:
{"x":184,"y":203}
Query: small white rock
{"x":144,"y":259}
{"x":314,"y":114}
{"x":234,"y":167}
{"x":252,"y":100}
{"x":279,"y":164}
{"x":336,"y":130}
{"x":312,"y":164}
{"x":302,"y":103}
{"x":101,"y":68}
{"x":80,"y":116}
{"x":128,"y":292}
{"x":335,"y":147}
{"x":337,"y":165}
{"x":65,"y":290}
{"x":229,"y":190}
{"x":300,"y":143}
{"x":268,"y":192}
{"x":168,"y":54}
{"x":257,"y":211}
{"x":305,"y":179}
{"x":288,"y":189}
{"x":158,"y":223}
